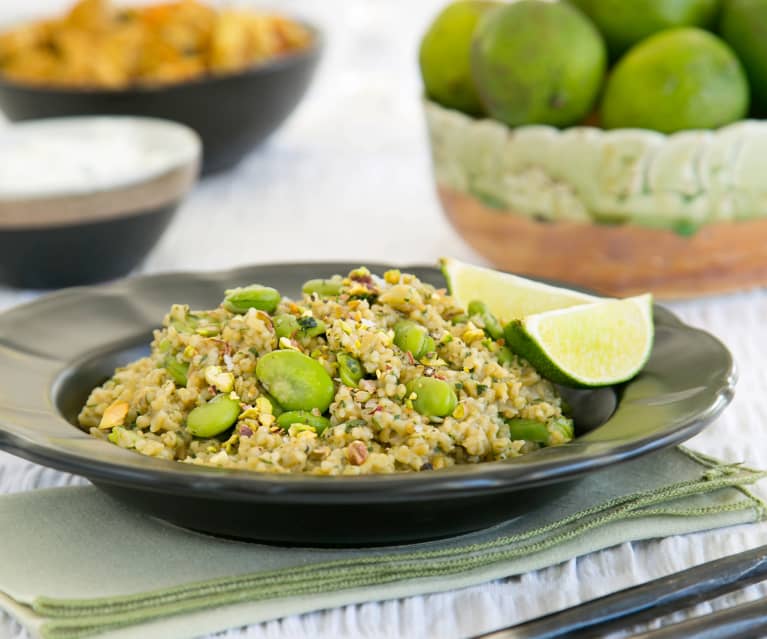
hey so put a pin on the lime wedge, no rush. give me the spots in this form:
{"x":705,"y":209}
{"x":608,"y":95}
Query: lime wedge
{"x":507,"y":296}
{"x":591,"y":345}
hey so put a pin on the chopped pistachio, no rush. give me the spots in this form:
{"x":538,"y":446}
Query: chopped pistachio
{"x":231,"y":444}
{"x":263,"y":405}
{"x":123,"y":437}
{"x":472,"y":334}
{"x":288,"y":344}
{"x":267,"y":420}
{"x":357,"y":453}
{"x":114,"y":415}
{"x":222,"y":380}
{"x":208,"y":330}
{"x":297,"y":429}
{"x":249,"y":413}
{"x":392,"y":276}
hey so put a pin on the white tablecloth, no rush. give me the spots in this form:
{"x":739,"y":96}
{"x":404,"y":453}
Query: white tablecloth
{"x":348,"y":177}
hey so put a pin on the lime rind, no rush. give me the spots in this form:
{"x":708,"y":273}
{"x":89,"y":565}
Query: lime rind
{"x":593,"y":345}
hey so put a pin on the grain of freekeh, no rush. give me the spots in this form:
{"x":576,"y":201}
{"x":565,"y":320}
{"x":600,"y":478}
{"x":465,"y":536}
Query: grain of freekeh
{"x":379,"y":412}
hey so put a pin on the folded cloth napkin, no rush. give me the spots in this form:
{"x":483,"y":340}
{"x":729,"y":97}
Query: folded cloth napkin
{"x":75,"y":563}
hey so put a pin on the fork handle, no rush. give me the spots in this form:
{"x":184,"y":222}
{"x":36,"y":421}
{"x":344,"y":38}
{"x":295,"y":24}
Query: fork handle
{"x":649,"y":600}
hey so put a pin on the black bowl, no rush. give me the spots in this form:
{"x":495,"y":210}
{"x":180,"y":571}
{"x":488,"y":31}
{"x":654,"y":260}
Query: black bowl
{"x":231,"y":113}
{"x":55,"y":350}
{"x":74,"y":254}
{"x":92,"y":232}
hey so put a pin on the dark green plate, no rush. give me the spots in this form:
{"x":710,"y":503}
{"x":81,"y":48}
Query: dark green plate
{"x":53,"y":351}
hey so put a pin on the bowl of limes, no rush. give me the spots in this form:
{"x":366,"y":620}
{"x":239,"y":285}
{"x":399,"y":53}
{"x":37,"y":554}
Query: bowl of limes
{"x":613,"y":145}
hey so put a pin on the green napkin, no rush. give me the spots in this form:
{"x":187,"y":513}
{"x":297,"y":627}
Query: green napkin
{"x":75,"y":563}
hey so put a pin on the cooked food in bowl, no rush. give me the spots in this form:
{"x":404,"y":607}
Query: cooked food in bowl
{"x":99,"y":45}
{"x":363,"y":374}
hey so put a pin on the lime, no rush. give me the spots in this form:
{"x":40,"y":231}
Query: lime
{"x":537,"y":63}
{"x":444,"y":56}
{"x":591,"y":345}
{"x":744,"y":27}
{"x":507,"y":296}
{"x":678,"y":79}
{"x":623,"y":23}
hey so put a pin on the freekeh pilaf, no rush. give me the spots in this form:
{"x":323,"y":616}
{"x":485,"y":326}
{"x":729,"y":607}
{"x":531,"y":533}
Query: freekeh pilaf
{"x":362,"y":375}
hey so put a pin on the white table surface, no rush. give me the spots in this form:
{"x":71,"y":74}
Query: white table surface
{"x":348,"y":177}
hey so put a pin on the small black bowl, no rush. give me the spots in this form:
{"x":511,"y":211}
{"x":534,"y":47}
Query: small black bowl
{"x":231,"y":113}
{"x":55,"y":234}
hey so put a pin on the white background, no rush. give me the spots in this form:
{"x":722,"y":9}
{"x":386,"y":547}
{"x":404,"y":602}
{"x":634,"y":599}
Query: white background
{"x":348,"y":177}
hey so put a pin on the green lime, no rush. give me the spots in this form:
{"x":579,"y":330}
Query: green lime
{"x":584,"y":346}
{"x":744,"y":27}
{"x":623,"y":23}
{"x":445,"y":54}
{"x":507,"y":296}
{"x":678,"y":79}
{"x":537,"y":63}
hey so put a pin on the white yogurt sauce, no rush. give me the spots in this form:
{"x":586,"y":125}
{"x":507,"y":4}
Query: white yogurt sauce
{"x":66,"y":156}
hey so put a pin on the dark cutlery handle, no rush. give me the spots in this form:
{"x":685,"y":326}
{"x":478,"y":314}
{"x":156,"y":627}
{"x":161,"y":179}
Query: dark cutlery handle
{"x":649,"y":600}
{"x":745,"y":621}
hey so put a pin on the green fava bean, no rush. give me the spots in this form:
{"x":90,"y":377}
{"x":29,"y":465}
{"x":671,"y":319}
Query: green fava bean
{"x":492,"y":326}
{"x":184,"y":326}
{"x":349,"y":369}
{"x":476,"y":307}
{"x":434,"y":397}
{"x":562,"y":428}
{"x":287,"y":419}
{"x":178,"y":371}
{"x":323,"y":288}
{"x":413,"y":338}
{"x":529,"y":430}
{"x":276,"y":408}
{"x":285,"y":325}
{"x":295,"y":380}
{"x":193,"y":324}
{"x":263,"y":298}
{"x":213,"y":418}
{"x":505,"y":356}
{"x":208,"y":330}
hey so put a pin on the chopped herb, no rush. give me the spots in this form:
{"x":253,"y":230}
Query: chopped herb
{"x":307,"y":322}
{"x":353,"y":423}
